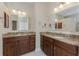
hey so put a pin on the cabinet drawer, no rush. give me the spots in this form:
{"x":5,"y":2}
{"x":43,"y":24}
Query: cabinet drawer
{"x":9,"y":40}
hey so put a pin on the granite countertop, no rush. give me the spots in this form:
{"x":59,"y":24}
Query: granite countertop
{"x":15,"y":34}
{"x":68,"y":40}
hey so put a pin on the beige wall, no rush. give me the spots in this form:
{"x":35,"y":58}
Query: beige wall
{"x":2,"y":29}
{"x":5,"y":9}
{"x":42,"y":16}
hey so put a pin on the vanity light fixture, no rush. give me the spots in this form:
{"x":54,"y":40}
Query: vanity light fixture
{"x":18,"y":12}
{"x":61,"y":6}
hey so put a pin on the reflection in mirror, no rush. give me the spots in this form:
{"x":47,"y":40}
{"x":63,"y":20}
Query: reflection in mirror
{"x":19,"y":23}
{"x":69,"y":19}
{"x":14,"y":25}
{"x":58,"y":24}
{"x":23,"y":23}
{"x":70,"y":24}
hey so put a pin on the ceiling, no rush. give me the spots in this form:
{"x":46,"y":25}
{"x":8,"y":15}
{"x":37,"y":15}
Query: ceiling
{"x":19,"y":5}
{"x":24,"y":5}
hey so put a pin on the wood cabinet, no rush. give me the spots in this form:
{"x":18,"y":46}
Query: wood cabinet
{"x":78,"y":51}
{"x":42,"y":42}
{"x":58,"y":51}
{"x":8,"y":46}
{"x":32,"y":43}
{"x":22,"y":45}
{"x":47,"y":45}
{"x":58,"y":25}
{"x":54,"y":47}
{"x":64,"y":49}
{"x":15,"y":46}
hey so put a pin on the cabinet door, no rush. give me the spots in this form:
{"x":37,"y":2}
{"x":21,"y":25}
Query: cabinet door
{"x":8,"y":47}
{"x":32,"y":42}
{"x":66,"y":53}
{"x":48,"y":45}
{"x":26,"y":45}
{"x":57,"y":51}
{"x":42,"y":42}
{"x":19,"y":46}
{"x":64,"y":49}
{"x":47,"y":49}
{"x":22,"y":45}
{"x":18,"y":51}
{"x":78,"y":51}
{"x":9,"y":50}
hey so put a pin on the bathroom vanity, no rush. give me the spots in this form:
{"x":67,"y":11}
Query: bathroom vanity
{"x":57,"y":44}
{"x":15,"y":44}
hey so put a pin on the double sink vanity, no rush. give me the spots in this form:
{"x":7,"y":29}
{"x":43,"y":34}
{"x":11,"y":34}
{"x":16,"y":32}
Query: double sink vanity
{"x":60,"y":44}
{"x":18,"y":43}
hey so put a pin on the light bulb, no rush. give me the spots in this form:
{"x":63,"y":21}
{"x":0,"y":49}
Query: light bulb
{"x":23,"y":13}
{"x":19,"y":12}
{"x":55,"y":9}
{"x":67,"y":2}
{"x":56,"y":20}
{"x":14,"y":11}
{"x":61,"y":6}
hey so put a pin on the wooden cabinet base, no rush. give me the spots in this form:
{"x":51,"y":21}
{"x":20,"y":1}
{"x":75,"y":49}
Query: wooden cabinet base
{"x":52,"y":47}
{"x":47,"y":45}
{"x":15,"y":46}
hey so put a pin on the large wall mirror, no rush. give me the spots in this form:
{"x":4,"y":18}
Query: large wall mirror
{"x":69,"y":24}
{"x":68,"y":19}
{"x":6,"y":20}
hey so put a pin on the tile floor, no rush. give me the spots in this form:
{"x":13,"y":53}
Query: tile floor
{"x":35,"y":53}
